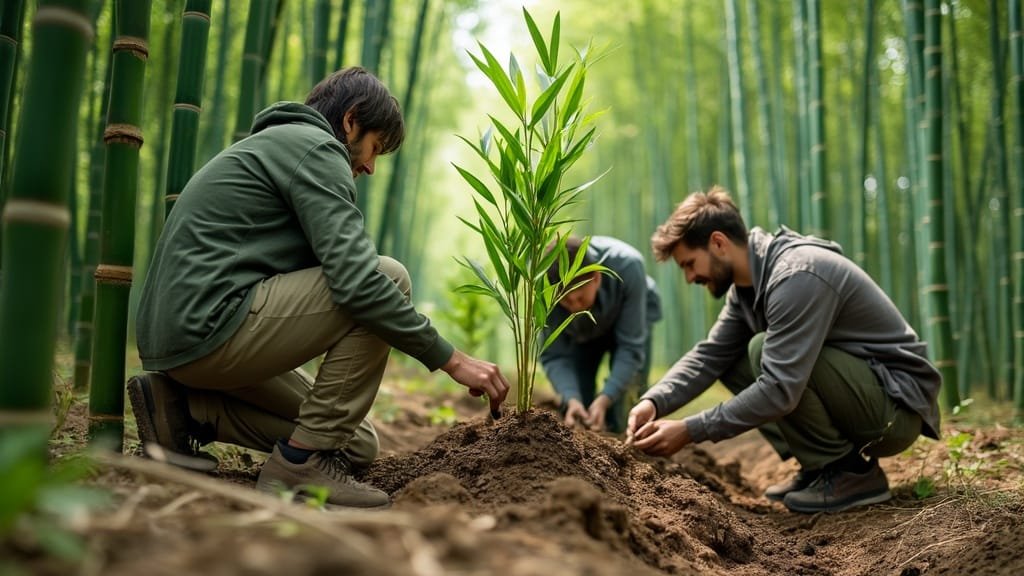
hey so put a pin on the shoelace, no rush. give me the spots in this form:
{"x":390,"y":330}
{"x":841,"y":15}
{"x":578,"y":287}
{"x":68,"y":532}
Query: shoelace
{"x":336,"y":465}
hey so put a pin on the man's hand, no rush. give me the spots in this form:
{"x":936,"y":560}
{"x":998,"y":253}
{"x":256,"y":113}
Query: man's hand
{"x":641,"y":414}
{"x":575,"y":413}
{"x":597,"y":411}
{"x":662,"y":437}
{"x":480,"y":376}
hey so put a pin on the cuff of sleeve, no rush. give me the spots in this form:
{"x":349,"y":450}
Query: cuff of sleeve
{"x":612,"y":391}
{"x":437,"y":354}
{"x":695,"y":426}
{"x":660,"y":408}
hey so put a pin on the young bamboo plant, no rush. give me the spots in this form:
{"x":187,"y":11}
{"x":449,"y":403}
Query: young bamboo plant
{"x":522,"y":219}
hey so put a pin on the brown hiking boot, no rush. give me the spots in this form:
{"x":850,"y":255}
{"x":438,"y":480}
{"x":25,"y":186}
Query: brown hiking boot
{"x":837,"y":490}
{"x":802,"y":479}
{"x":167,"y":431}
{"x":329,"y":469}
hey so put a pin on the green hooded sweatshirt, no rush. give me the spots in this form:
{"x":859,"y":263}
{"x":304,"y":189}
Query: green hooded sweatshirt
{"x":281,"y":200}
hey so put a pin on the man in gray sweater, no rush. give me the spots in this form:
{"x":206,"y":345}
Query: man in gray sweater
{"x":818,"y":357}
{"x":622,"y":308}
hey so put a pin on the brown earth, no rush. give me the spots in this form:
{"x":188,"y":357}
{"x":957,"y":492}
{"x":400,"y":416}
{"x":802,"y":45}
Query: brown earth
{"x":526,"y":495}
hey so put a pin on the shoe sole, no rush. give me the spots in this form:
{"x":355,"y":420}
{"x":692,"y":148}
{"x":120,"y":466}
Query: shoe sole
{"x":841,"y":506}
{"x":275,"y":488}
{"x":139,"y":400}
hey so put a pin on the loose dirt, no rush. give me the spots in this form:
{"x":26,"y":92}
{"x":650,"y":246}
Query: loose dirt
{"x":525,"y":495}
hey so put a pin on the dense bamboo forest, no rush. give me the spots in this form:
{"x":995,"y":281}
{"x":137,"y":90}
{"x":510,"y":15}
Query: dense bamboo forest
{"x":894,"y":127}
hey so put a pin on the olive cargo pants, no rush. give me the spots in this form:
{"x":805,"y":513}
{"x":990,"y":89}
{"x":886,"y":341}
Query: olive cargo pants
{"x":844,"y":408}
{"x":253,"y":391}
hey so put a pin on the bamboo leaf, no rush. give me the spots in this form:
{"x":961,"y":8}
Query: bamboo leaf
{"x":472,"y":226}
{"x":544,"y":101}
{"x":556,"y":28}
{"x":496,"y":74}
{"x":485,"y":141}
{"x":538,"y":42}
{"x":565,"y":324}
{"x":512,"y":140}
{"x":494,"y":167}
{"x":477,"y":185}
{"x":516,"y":74}
{"x":574,"y":97}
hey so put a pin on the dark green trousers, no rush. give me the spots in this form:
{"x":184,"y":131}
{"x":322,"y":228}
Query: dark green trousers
{"x":844,"y":408}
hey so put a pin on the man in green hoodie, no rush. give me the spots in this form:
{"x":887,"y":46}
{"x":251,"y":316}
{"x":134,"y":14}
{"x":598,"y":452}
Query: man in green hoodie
{"x":818,"y":357}
{"x":264,"y":264}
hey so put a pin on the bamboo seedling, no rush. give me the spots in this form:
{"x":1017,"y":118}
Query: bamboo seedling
{"x":521,"y":217}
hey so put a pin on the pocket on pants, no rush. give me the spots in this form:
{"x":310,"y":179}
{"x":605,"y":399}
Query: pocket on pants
{"x":261,"y":297}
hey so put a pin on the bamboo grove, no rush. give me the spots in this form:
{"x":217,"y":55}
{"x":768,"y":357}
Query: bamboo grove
{"x":892,"y":126}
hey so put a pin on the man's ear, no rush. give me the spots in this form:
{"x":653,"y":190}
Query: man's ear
{"x":718,"y":243}
{"x":349,"y":124}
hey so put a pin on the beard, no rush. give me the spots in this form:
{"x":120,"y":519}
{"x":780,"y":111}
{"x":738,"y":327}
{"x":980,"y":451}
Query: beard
{"x":721,"y":277}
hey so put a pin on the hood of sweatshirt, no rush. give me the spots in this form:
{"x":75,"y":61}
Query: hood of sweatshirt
{"x":283,"y":113}
{"x":765,"y":250}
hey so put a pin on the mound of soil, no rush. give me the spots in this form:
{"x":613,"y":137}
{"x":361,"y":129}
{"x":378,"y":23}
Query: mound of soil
{"x":578,"y":488}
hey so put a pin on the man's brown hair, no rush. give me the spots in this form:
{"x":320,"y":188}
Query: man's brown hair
{"x":373,"y":108}
{"x":695,"y":218}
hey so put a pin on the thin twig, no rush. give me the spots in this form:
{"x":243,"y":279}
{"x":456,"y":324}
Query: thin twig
{"x":930,"y":546}
{"x":127,"y":510}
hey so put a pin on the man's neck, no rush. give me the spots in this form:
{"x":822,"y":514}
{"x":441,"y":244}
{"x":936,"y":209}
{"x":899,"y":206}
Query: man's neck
{"x":741,"y":275}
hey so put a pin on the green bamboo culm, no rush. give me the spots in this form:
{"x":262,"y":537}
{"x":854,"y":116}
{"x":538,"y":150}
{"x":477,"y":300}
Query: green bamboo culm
{"x":195,"y":32}
{"x":10,"y":35}
{"x":123,"y":137}
{"x":739,"y":154}
{"x":36,"y":216}
{"x":937,"y":290}
{"x":816,"y":122}
{"x":1017,"y":93}
{"x":252,"y":63}
{"x":522,"y":222}
{"x":321,"y":28}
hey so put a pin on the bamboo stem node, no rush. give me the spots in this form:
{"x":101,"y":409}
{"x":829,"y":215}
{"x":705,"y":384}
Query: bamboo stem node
{"x":36,"y":212}
{"x":189,"y":107}
{"x":139,"y":47}
{"x":25,"y":417}
{"x":195,"y":14}
{"x":111,"y":274}
{"x":65,"y":17}
{"x":123,"y":134}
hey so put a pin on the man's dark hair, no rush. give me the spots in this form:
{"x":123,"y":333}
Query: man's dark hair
{"x":695,"y":219}
{"x":572,"y":248}
{"x":373,"y":108}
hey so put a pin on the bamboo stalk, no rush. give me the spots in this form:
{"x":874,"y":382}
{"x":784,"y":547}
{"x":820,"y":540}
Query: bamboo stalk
{"x":188,"y":99}
{"x":252,"y":63}
{"x":36,"y":215}
{"x":123,"y":137}
{"x":1016,"y":31}
{"x":937,"y":289}
{"x":11,"y":19}
{"x":738,"y":112}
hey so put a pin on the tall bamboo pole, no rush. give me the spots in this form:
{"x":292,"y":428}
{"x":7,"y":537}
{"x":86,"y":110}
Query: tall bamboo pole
{"x":321,"y":27}
{"x":1016,"y":31}
{"x":738,"y":110}
{"x":339,"y":50}
{"x":252,"y":63}
{"x":861,"y":231}
{"x":780,"y":148}
{"x":764,"y":115}
{"x":802,"y":82}
{"x":816,"y":123}
{"x":10,"y":35}
{"x":123,"y":136}
{"x":36,"y":215}
{"x":1001,"y":227}
{"x":937,"y":290}
{"x":214,"y":135}
{"x":393,"y":200}
{"x":188,"y":99}
{"x":693,"y":173}
{"x":97,"y":156}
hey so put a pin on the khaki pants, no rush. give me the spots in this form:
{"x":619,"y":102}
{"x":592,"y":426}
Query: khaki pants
{"x":253,"y":391}
{"x":844,"y":408}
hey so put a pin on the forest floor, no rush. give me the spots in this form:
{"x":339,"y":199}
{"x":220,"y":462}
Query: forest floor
{"x":525,"y":495}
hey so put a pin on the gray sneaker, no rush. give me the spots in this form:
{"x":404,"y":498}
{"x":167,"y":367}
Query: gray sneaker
{"x":329,"y":469}
{"x":835,"y":491}
{"x":803,"y":479}
{"x":167,"y":431}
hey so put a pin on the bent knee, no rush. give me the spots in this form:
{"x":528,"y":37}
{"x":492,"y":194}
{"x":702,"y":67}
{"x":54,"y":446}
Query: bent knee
{"x":397,"y":272}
